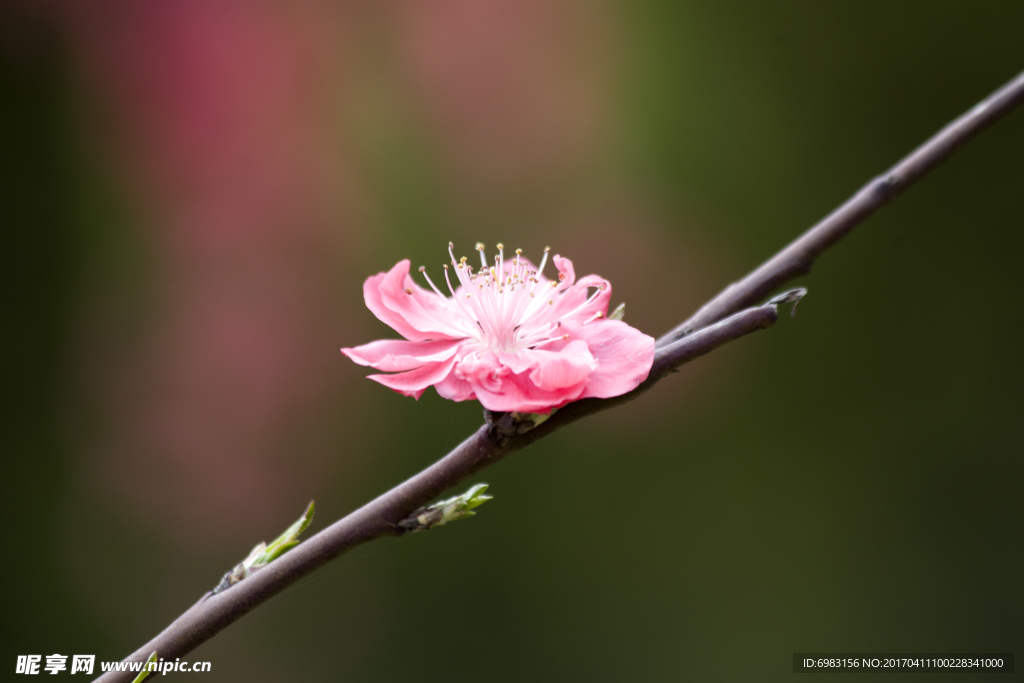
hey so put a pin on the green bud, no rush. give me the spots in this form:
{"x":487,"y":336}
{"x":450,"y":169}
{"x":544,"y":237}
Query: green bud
{"x":446,"y":511}
{"x":263,"y":554}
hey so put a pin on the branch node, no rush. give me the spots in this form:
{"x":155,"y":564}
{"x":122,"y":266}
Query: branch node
{"x":890,"y":184}
{"x":505,"y":426}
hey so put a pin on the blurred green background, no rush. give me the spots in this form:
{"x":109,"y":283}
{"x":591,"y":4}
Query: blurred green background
{"x":193,"y":193}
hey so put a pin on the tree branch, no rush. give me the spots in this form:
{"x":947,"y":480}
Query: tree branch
{"x":494,"y":440}
{"x":715,"y":324}
{"x":797,"y":257}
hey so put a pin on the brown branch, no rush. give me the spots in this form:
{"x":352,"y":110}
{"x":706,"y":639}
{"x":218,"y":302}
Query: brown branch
{"x":796,"y":258}
{"x":380,"y":517}
{"x":715,"y":324}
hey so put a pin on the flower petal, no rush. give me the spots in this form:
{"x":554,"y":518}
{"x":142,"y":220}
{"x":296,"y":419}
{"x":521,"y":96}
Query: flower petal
{"x":372,"y":297}
{"x":529,"y":380}
{"x":455,"y":389}
{"x":424,"y":314}
{"x":394,"y":355}
{"x":414,"y":382}
{"x":624,"y":356}
{"x":563,"y":369}
{"x":518,"y":393}
{"x":565,"y":268}
{"x":481,"y":370}
{"x":552,"y":370}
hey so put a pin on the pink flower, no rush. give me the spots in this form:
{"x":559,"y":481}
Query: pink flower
{"x":507,"y":336}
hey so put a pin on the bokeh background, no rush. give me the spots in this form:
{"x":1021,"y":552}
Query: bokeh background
{"x":193,"y":192}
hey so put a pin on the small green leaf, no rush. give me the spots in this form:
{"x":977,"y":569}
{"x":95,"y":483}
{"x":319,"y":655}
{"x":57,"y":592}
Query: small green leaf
{"x":264,"y":554}
{"x":286,"y":541}
{"x":145,"y":672}
{"x":619,"y":313}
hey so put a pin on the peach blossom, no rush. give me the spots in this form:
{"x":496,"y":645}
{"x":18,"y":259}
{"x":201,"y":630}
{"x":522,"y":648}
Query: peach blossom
{"x":507,"y":336}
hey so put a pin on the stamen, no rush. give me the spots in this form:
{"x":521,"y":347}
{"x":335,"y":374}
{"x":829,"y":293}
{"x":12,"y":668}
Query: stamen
{"x":597,"y":290}
{"x":544,"y":260}
{"x":564,"y":337}
{"x":501,"y":259}
{"x":506,"y":314}
{"x":458,"y":323}
{"x":449,"y":281}
{"x":423,"y":269}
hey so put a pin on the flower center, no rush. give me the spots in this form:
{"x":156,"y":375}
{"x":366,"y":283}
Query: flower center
{"x":504,"y":307}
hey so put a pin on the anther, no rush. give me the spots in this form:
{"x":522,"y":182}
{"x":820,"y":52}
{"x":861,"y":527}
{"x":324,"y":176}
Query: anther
{"x":408,"y":291}
{"x":500,"y":246}
{"x":479,"y":246}
{"x":423,"y":269}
